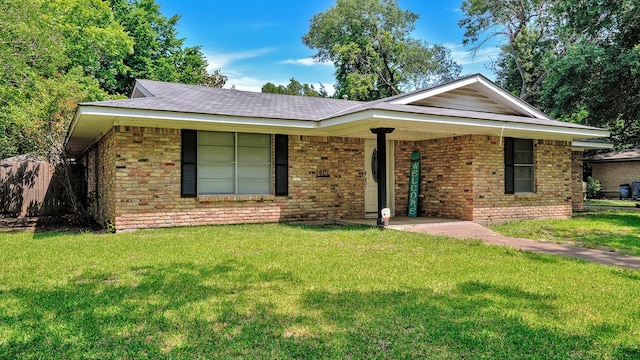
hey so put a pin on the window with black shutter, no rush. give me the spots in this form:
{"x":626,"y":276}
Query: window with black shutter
{"x":518,"y":166}
{"x":188,"y":161}
{"x":228,"y":163}
{"x":282,"y":165}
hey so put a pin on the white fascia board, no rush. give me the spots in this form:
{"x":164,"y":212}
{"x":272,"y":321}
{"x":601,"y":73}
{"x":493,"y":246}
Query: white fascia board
{"x":124,"y":116}
{"x":591,"y":145}
{"x":377,"y":118}
{"x":72,"y":126}
{"x":435,"y":91}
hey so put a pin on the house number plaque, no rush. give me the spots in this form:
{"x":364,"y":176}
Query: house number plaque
{"x":322,"y":173}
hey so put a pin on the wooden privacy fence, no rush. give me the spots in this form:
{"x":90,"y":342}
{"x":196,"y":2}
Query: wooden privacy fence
{"x":30,"y":187}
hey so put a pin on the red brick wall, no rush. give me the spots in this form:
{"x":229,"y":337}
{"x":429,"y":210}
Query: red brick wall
{"x":577,"y":195}
{"x":144,"y":182}
{"x":613,"y":174}
{"x":463,"y":177}
{"x":553,"y":183}
{"x":445,"y":177}
{"x":99,"y":161}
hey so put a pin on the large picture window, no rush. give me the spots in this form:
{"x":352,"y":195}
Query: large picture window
{"x":224,"y":163}
{"x":519,"y":166}
{"x":233,"y":163}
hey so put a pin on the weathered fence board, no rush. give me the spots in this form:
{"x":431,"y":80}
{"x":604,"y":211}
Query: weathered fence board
{"x":30,"y":187}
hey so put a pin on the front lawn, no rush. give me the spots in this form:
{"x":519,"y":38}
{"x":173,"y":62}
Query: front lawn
{"x":278,"y":291}
{"x":611,"y":202}
{"x":606,"y":230}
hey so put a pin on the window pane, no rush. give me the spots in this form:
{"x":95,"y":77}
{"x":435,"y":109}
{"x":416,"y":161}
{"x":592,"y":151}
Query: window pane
{"x":523,"y":179}
{"x":209,"y":153}
{"x":523,"y":145}
{"x":523,"y":186}
{"x":215,"y":187}
{"x":248,"y":186}
{"x":251,"y":154}
{"x":215,"y":138}
{"x":216,"y":171}
{"x":254,"y":178}
{"x":254,"y":140}
{"x":254,"y":147}
{"x":250,"y":171}
{"x":522,"y":157}
{"x":216,"y":179}
{"x":523,"y":151}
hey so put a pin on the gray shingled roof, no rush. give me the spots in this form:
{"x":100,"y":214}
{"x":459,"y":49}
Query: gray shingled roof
{"x":214,"y":101}
{"x":620,"y":155}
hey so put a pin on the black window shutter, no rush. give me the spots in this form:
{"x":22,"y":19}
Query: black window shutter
{"x":508,"y":166}
{"x":282,"y":164}
{"x":189,"y":160}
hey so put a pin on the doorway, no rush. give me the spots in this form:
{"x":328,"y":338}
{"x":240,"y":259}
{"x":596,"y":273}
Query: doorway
{"x":371,"y":182}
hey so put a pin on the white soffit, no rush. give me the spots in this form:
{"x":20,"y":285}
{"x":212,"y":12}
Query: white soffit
{"x":484,"y":88}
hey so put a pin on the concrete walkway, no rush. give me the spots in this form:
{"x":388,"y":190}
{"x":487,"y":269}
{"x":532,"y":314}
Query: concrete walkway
{"x":468,"y":229}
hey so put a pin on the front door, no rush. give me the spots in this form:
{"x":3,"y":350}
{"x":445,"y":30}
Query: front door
{"x":371,"y":186}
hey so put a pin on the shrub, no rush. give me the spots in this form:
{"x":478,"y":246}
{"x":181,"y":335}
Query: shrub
{"x":593,"y":187}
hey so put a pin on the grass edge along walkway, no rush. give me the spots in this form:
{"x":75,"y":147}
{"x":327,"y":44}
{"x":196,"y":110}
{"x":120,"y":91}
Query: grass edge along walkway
{"x":468,"y":229}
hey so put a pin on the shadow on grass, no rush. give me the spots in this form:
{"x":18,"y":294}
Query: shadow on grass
{"x":618,"y":218}
{"x":180,"y":310}
{"x":331,"y":226}
{"x":184,"y":310}
{"x":625,"y":240}
{"x":475,"y":320}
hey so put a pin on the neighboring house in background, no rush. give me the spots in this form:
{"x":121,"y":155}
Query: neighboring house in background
{"x":178,"y":155}
{"x":615,"y":168}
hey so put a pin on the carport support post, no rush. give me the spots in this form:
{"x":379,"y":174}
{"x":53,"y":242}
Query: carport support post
{"x":381,"y":145}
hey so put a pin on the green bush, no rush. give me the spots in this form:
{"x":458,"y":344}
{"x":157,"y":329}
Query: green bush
{"x":593,"y":187}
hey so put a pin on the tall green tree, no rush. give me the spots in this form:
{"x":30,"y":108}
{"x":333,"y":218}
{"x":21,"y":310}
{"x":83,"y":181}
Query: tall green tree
{"x":93,"y":39}
{"x":158,"y":52}
{"x":370,"y":45}
{"x":215,"y":79}
{"x":39,"y":73}
{"x":525,"y":31}
{"x":578,"y":60}
{"x":56,"y":53}
{"x":597,"y":82}
{"x":294,"y":88}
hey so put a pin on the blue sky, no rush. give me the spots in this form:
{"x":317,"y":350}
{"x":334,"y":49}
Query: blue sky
{"x":256,"y":41}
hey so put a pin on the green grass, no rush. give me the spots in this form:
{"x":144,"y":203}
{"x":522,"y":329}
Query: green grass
{"x":606,"y":230}
{"x":611,"y":202}
{"x":278,"y":291}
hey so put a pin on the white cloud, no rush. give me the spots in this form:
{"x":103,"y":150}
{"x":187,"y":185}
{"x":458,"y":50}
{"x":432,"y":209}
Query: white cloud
{"x":249,"y":83}
{"x":465,"y":57}
{"x":222,"y":60}
{"x":309,"y":61}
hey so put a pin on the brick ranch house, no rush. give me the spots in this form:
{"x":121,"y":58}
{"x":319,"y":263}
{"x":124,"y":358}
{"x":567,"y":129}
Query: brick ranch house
{"x":615,"y":168}
{"x":178,"y":155}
